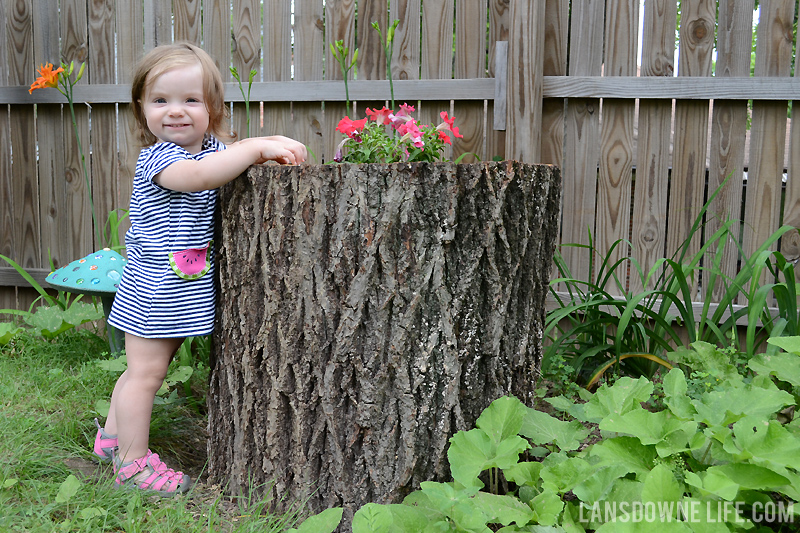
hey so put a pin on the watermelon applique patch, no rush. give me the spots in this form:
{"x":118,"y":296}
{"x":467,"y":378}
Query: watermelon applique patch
{"x":192,"y":263}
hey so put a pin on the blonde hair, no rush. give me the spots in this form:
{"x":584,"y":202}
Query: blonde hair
{"x":167,"y":57}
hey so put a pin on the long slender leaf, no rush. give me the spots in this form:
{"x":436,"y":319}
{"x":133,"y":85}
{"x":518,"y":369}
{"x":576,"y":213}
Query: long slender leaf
{"x":33,"y":282}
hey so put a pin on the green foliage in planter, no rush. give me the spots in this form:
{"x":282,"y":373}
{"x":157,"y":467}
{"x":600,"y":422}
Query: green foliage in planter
{"x":704,"y":462}
{"x":600,"y":320}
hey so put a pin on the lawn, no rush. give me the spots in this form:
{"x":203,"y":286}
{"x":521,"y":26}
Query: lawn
{"x":50,"y":392}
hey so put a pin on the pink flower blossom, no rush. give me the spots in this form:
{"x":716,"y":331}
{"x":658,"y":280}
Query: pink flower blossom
{"x":448,"y":125}
{"x":410,"y":130}
{"x":380,"y":116}
{"x":350,"y":127}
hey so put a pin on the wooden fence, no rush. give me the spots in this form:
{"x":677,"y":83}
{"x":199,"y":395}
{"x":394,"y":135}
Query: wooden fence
{"x":536,"y":80}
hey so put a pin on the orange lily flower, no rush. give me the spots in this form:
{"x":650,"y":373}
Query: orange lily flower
{"x":47,"y":77}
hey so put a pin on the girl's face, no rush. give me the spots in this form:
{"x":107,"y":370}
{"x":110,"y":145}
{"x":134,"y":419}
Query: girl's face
{"x":175,"y":108}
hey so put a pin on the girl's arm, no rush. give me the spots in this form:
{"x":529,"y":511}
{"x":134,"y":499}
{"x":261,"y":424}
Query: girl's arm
{"x":217,"y":169}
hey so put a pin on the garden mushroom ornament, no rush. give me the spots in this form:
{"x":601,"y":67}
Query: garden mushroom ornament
{"x":97,"y":274}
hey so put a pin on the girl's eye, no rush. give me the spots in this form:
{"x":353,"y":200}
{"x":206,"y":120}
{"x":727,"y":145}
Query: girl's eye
{"x":192,"y":100}
{"x":159,"y":101}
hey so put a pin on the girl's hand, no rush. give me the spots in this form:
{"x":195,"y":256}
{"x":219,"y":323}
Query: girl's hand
{"x":278,"y":148}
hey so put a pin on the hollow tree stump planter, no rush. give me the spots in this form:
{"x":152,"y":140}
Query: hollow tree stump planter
{"x":366,"y":314}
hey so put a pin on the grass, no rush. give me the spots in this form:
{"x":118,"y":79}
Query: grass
{"x":48,"y":479}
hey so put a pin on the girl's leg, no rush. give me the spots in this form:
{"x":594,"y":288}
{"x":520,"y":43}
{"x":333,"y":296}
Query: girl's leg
{"x":132,"y":399}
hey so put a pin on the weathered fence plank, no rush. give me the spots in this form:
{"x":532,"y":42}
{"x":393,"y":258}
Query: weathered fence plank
{"x":728,"y":130}
{"x":469,"y":62}
{"x":188,"y":21}
{"x":768,"y":130}
{"x":499,"y":23}
{"x":554,"y":63}
{"x":54,"y":191}
{"x":653,"y":143}
{"x":340,"y":25}
{"x":581,"y":136}
{"x":277,"y":39}
{"x":437,"y":61}
{"x":8,"y":297}
{"x":613,"y":216}
{"x":525,"y":52}
{"x":100,"y":69}
{"x":687,"y":184}
{"x":308,"y":120}
{"x":246,"y":56}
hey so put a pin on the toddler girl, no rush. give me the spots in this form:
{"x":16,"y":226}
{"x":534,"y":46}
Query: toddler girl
{"x":180,"y":114}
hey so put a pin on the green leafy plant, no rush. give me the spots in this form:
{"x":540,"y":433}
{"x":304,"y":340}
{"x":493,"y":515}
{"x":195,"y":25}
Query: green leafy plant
{"x":62,"y":313}
{"x":712,"y":462}
{"x":600,"y":320}
{"x":246,"y":97}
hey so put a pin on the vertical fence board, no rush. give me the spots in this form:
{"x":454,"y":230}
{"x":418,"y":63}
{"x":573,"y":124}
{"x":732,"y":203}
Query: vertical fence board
{"x":554,"y":64}
{"x":130,"y":49}
{"x":74,"y":47}
{"x":470,"y":62}
{"x":499,"y":23}
{"x":278,"y":41}
{"x":100,"y":69}
{"x":187,"y":21}
{"x":53,"y":189}
{"x":6,"y":196}
{"x":24,"y":185}
{"x":340,"y":25}
{"x":768,"y":131}
{"x":406,"y":58}
{"x":371,"y":60}
{"x":652,"y":147}
{"x":581,"y":136}
{"x":728,"y":130}
{"x":8,"y":296}
{"x":246,"y":56}
{"x":616,"y":135}
{"x":790,"y":245}
{"x":437,"y":59}
{"x":371,"y":57}
{"x":525,"y":55}
{"x":691,"y":128}
{"x":308,"y":42}
{"x":217,"y":34}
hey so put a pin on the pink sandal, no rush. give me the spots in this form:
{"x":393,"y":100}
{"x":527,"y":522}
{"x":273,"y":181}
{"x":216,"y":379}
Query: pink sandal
{"x":151,"y":474}
{"x":104,"y":444}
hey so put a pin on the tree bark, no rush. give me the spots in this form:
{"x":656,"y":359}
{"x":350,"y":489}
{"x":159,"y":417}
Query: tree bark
{"x":366,"y":314}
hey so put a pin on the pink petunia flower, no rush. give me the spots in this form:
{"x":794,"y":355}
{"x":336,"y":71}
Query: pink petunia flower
{"x":381,"y":116}
{"x":351,"y":128}
{"x":448,"y":125}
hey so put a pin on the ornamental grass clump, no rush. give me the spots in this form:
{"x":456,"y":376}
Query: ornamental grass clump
{"x":384,"y":136}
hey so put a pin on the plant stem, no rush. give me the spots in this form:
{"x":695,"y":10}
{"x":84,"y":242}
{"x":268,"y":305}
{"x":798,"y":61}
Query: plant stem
{"x":68,"y":94}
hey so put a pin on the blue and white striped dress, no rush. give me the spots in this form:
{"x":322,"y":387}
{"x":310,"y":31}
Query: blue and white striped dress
{"x":152,"y":301}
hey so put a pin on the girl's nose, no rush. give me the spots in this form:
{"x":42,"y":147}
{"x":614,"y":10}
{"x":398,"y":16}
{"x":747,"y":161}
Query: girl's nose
{"x":175,"y":110}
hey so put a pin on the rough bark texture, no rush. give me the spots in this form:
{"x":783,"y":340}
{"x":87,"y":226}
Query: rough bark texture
{"x":366,"y":314}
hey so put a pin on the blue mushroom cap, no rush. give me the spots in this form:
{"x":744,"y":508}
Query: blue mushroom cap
{"x":97,"y":274}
